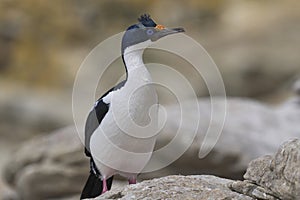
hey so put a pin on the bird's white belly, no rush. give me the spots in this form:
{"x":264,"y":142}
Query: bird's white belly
{"x":118,"y":145}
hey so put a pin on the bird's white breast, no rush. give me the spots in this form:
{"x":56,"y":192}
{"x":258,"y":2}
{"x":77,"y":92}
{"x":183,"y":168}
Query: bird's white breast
{"x":121,"y":143}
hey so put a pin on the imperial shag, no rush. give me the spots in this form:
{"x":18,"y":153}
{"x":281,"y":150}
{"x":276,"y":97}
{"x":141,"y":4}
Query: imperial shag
{"x":134,"y":96}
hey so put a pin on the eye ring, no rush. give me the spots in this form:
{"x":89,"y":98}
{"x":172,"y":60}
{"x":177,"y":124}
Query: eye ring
{"x":149,"y":32}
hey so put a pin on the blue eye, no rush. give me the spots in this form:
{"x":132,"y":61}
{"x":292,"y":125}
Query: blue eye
{"x":150,"y":32}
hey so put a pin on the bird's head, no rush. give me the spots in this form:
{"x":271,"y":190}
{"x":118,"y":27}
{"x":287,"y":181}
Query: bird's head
{"x":145,"y":32}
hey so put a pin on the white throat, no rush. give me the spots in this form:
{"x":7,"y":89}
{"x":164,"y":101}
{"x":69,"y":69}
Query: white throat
{"x":133,"y":56}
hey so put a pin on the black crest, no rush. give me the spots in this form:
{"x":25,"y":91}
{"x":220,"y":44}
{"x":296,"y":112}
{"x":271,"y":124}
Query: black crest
{"x":146,"y":20}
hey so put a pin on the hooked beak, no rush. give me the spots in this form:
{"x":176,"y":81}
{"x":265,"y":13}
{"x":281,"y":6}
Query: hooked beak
{"x":162,"y":32}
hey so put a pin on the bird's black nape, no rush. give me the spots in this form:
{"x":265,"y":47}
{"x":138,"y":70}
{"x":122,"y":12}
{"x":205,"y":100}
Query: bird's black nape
{"x":146,"y":20}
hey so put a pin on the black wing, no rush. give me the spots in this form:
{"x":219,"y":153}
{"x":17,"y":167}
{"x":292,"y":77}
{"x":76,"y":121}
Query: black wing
{"x":94,"y":119}
{"x":96,"y":116}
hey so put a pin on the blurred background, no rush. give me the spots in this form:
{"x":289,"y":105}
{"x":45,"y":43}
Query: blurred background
{"x":255,"y":45}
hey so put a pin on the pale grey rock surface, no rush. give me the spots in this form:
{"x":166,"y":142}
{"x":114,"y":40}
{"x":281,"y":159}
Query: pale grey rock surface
{"x":277,"y":175}
{"x":248,"y":188}
{"x":267,"y":178}
{"x":203,"y":187}
{"x":251,"y":129}
{"x":50,"y":166}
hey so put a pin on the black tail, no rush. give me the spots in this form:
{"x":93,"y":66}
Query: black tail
{"x":93,"y":186}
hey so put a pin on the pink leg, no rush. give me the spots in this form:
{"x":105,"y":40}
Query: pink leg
{"x":104,"y":186}
{"x":132,"y":181}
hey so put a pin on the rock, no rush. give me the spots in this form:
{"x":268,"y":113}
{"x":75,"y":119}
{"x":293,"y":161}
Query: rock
{"x":25,"y":114}
{"x":74,"y":197}
{"x":48,"y":166}
{"x":34,"y":114}
{"x":43,"y":181}
{"x":7,"y":193}
{"x":203,"y":187}
{"x":251,"y":129}
{"x":277,"y":175}
{"x":296,"y":87}
{"x":252,"y":190}
{"x":267,"y":178}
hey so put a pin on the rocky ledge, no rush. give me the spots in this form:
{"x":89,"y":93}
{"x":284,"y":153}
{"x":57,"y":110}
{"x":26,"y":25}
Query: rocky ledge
{"x":267,"y":178}
{"x":177,"y":187}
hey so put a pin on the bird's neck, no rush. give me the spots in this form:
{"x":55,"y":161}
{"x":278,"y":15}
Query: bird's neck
{"x":133,"y":60}
{"x":135,"y":67}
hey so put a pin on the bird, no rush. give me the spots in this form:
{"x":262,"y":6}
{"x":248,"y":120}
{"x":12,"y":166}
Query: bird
{"x":115,"y":127}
